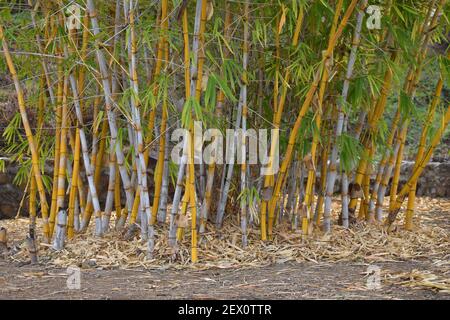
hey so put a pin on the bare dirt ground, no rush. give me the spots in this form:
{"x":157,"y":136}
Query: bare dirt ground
{"x":286,"y":281}
{"x":411,"y":265}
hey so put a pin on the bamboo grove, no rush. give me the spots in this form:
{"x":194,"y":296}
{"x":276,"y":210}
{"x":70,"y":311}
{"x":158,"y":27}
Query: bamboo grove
{"x":101,"y":86}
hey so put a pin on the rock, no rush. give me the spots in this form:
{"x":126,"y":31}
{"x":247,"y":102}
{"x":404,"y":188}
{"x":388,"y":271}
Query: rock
{"x":3,"y":239}
{"x":441,"y":192}
{"x":10,"y":197}
{"x":7,"y":211}
{"x":4,"y":178}
{"x":434,"y":181}
{"x":89,"y":263}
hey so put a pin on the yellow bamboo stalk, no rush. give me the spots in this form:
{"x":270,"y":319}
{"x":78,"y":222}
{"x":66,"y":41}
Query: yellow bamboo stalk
{"x":192,"y":204}
{"x":394,"y":210}
{"x":117,"y":195}
{"x":373,"y":119}
{"x":398,"y":162}
{"x":382,"y":166}
{"x":201,"y":52}
{"x":218,"y":112}
{"x":187,"y":79}
{"x":421,"y":150}
{"x":162,"y":143}
{"x":97,"y":159}
{"x":364,"y":206}
{"x":316,"y":136}
{"x":56,"y":157}
{"x":76,"y":183}
{"x":74,"y":186}
{"x":33,"y":185}
{"x":163,"y":23}
{"x":190,"y":188}
{"x":278,"y":111}
{"x":414,"y":79}
{"x":29,"y":135}
{"x":163,"y":45}
{"x":323,"y":178}
{"x":184,"y":206}
{"x":307,"y":103}
{"x":63,"y":153}
{"x":276,"y":85}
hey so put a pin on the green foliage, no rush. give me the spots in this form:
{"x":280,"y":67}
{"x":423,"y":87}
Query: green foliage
{"x":12,"y":134}
{"x":249,"y":196}
{"x":407,"y":107}
{"x":350,"y":151}
{"x":395,"y":47}
{"x":23,"y":172}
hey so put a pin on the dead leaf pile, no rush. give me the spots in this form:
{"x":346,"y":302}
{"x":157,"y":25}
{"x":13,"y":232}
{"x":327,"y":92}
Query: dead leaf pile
{"x":421,"y":280}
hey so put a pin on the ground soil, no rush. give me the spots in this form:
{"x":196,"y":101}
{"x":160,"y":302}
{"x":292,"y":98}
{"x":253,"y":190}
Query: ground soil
{"x":286,"y":281}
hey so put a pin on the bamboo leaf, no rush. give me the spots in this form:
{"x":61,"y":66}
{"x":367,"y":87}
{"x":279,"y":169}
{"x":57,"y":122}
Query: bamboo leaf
{"x":224,"y":87}
{"x":282,"y":19}
{"x":407,"y":107}
{"x":350,"y":151}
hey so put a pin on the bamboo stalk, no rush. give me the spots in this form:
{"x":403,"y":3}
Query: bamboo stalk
{"x":182,"y":164}
{"x":63,"y":152}
{"x":421,"y":150}
{"x":98,"y":151}
{"x":197,"y":68}
{"x":371,"y":130}
{"x":29,"y":134}
{"x":85,"y":153}
{"x":60,"y":235}
{"x":165,"y":182}
{"x":74,"y":187}
{"x":56,"y":162}
{"x":431,"y":20}
{"x":278,"y":111}
{"x":394,"y":210}
{"x":109,"y":103}
{"x":245,"y":59}
{"x":206,"y":204}
{"x":40,"y":123}
{"x":307,"y":102}
{"x":332,"y":167}
{"x":135,"y":103}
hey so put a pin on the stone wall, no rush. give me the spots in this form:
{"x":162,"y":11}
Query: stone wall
{"x":434,"y":181}
{"x":10,"y":194}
